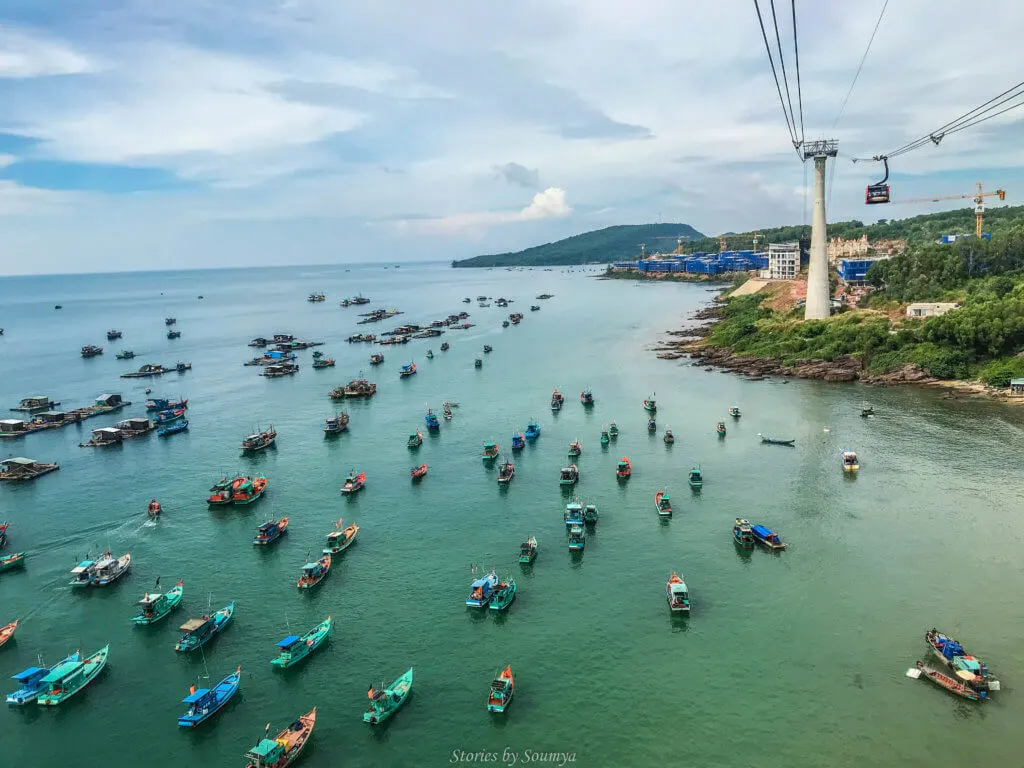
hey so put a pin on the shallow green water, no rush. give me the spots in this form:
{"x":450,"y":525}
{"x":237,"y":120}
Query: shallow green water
{"x":789,"y":660}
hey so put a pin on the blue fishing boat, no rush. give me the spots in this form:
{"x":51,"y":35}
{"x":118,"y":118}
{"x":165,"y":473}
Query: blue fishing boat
{"x":532,"y":431}
{"x":271,"y":531}
{"x":161,"y":404}
{"x":577,"y":538}
{"x":172,"y":428}
{"x":482,"y":591}
{"x":203,"y":703}
{"x":587,"y":397}
{"x":518,"y":441}
{"x":165,"y":417}
{"x":198,"y":632}
{"x":557,"y":398}
{"x":767,"y":538}
{"x":31,"y":681}
{"x":433,"y":423}
{"x":573,"y":513}
{"x":408,"y":369}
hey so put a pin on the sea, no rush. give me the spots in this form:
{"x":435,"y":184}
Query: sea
{"x":791,"y":659}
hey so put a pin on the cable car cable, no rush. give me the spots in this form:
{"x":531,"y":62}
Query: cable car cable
{"x":782,"y":64}
{"x":796,"y":56}
{"x":775,"y":75}
{"x":861,"y":65}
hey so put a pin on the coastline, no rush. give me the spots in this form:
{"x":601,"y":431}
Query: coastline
{"x":723,"y":278}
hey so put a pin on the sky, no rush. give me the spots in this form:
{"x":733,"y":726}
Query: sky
{"x":214,"y":133}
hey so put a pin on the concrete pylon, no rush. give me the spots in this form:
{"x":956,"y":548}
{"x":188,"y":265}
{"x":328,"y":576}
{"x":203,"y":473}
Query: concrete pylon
{"x":818,"y":306}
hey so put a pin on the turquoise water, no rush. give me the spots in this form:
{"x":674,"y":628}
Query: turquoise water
{"x":789,"y":660}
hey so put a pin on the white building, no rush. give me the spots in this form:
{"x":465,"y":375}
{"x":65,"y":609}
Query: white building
{"x":783,"y":261}
{"x":930,"y":309}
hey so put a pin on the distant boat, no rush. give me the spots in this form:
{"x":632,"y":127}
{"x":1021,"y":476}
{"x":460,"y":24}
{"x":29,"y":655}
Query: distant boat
{"x":502,"y":688}
{"x":590,"y":514}
{"x":967,"y":668}
{"x":624,"y":468}
{"x":204,"y":703}
{"x":432,"y":422}
{"x":170,"y":320}
{"x":260,"y":440}
{"x":490,"y":452}
{"x":573,"y":514}
{"x":445,"y":346}
{"x":113,"y":334}
{"x":677,"y":594}
{"x":335,"y":425}
{"x":248,"y":491}
{"x":156,"y":606}
{"x":407,"y":370}
{"x":669,"y":438}
{"x":172,"y":428}
{"x":12,"y":561}
{"x":341,"y":538}
{"x":7,"y":632}
{"x":417,"y":473}
{"x":504,"y":594}
{"x":528,"y":550}
{"x":69,"y":678}
{"x":949,"y":683}
{"x":125,"y":354}
{"x":650,"y":405}
{"x":91,"y":350}
{"x":605,"y":438}
{"x":734,"y":412}
{"x":198,"y":632}
{"x":587,"y":397}
{"x":663,"y":504}
{"x":720,"y":429}
{"x":482,"y":591}
{"x":174,"y":334}
{"x":774,"y":441}
{"x":742,"y":534}
{"x":314,"y":573}
{"x":386,"y":699}
{"x":271,"y":531}
{"x":577,"y":538}
{"x":613,"y":431}
{"x":353,"y":483}
{"x":532,"y":431}
{"x":376,"y":358}
{"x":294,"y":648}
{"x":850,"y":463}
{"x":575,"y":449}
{"x":284,"y":749}
{"x":652,"y":425}
{"x":695,"y":478}
{"x":767,"y":538}
{"x":518,"y":441}
{"x":478,"y":363}
{"x":569,"y":475}
{"x":557,"y":399}
{"x":415,"y":439}
{"x":506,"y":472}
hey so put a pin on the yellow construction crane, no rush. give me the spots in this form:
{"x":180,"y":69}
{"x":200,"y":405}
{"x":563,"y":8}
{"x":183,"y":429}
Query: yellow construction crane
{"x":979,"y":203}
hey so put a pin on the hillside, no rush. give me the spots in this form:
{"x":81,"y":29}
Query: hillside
{"x":598,"y":247}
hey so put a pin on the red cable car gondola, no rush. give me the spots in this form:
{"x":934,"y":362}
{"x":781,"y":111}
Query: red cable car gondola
{"x":878,"y":192}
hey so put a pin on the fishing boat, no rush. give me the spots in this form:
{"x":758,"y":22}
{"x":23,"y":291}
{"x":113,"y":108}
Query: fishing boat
{"x":162,"y":404}
{"x":652,"y":426}
{"x":415,"y":439}
{"x":430,"y":354}
{"x":198,"y":632}
{"x":775,"y":441}
{"x":102,"y":572}
{"x":573,"y":514}
{"x":734,"y":412}
{"x":64,"y":681}
{"x":113,"y":334}
{"x":172,"y":428}
{"x":482,"y":590}
{"x":284,"y":749}
{"x":407,"y":370}
{"x":518,"y":441}
{"x":81,"y":573}
{"x":528,"y":551}
{"x":569,"y":476}
{"x":590,"y":514}
{"x":967,"y":668}
{"x":170,"y":320}
{"x":376,"y":358}
{"x":3,"y":533}
{"x":613,"y":431}
{"x":504,"y":594}
{"x":354,"y":482}
{"x":505,"y":323}
{"x":720,"y":428}
{"x":677,"y":594}
{"x":31,"y":680}
{"x":431,"y":420}
{"x":450,"y":404}
{"x":650,"y":405}
{"x":866,"y":410}
{"x":532,"y":431}
{"x":624,"y":468}
{"x":417,"y":473}
{"x":850,"y":463}
{"x":220,"y":497}
{"x":341,"y":538}
{"x":386,"y":699}
{"x":577,"y":538}
{"x":767,"y":538}
{"x":355,"y":388}
{"x":270,"y":532}
{"x":695,"y":478}
{"x":587,"y":397}
{"x":10,"y":562}
{"x":156,"y":606}
{"x":605,"y":439}
{"x":260,"y":440}
{"x":949,"y":683}
{"x":203,"y":703}
{"x":247,"y":493}
{"x":490,"y":452}
{"x":174,"y":334}
{"x":502,"y":688}
{"x":125,"y":354}
{"x":742,"y":534}
{"x":320,"y":362}
{"x":478,"y":363}
{"x":314,"y":573}
{"x":506,"y":472}
{"x":557,"y":399}
{"x":447,"y":413}
{"x":575,"y":449}
{"x":335,"y":425}
{"x":162,"y":417}
{"x":663,"y":504}
{"x":7,"y":632}
{"x":91,"y":350}
{"x":669,"y":438}
{"x":445,"y":346}
{"x":294,"y":648}
{"x":153,"y":509}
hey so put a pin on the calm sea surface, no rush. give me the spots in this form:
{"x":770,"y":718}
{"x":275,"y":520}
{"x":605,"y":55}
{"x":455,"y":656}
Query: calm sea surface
{"x":790,"y":660}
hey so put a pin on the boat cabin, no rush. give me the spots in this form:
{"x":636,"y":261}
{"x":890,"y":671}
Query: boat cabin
{"x":30,"y":681}
{"x":268,"y":752}
{"x":11,"y":427}
{"x":20,"y":468}
{"x":50,"y":417}
{"x":679,"y":596}
{"x":112,"y":401}
{"x":134,"y":426}
{"x":59,"y":678}
{"x":767,"y":537}
{"x":107,"y":436}
{"x":198,"y":699}
{"x":288,"y":645}
{"x":81,"y":572}
{"x":35,"y":403}
{"x":149,"y":604}
{"x":196,"y":626}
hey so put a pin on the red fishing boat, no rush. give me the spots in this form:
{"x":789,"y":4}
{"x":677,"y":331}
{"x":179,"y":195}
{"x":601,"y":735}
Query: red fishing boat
{"x":418,"y":472}
{"x":6,"y":633}
{"x":154,"y":509}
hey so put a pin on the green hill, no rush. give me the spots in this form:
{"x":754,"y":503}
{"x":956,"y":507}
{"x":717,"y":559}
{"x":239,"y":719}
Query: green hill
{"x":598,"y":247}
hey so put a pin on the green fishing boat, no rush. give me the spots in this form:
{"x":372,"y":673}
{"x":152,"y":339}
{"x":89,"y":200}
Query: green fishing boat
{"x":156,"y":606}
{"x":613,"y":431}
{"x":605,"y":438}
{"x":528,"y":550}
{"x":504,"y":594}
{"x":386,"y":699}
{"x":650,"y":405}
{"x":490,"y":451}
{"x":720,"y":429}
{"x":415,"y":439}
{"x":575,"y":449}
{"x":67,"y":679}
{"x":9,"y":562}
{"x":590,"y":514}
{"x":294,"y":648}
{"x":695,"y":479}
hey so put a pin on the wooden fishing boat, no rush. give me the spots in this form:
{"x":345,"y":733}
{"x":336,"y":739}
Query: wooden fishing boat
{"x":569,"y":476}
{"x":156,"y":606}
{"x":162,"y":417}
{"x":341,"y":538}
{"x":605,"y":439}
{"x":532,"y":431}
{"x":478,"y":363}
{"x":386,"y":699}
{"x":949,"y":683}
{"x":31,"y":681}
{"x":91,"y":350}
{"x":587,"y":397}
{"x":447,"y":413}
{"x":734,"y":412}
{"x":506,"y":472}
{"x":174,"y":334}
{"x":247,"y":493}
{"x":353,"y":483}
{"x":153,"y":509}
{"x":198,"y":632}
{"x":663,"y":504}
{"x":577,"y":538}
{"x":518,"y":441}
{"x":445,"y":347}
{"x":260,"y":440}
{"x":720,"y":428}
{"x":203,"y":703}
{"x":415,"y":439}
{"x":335,"y":425}
{"x":490,"y":452}
{"x":573,"y":514}
{"x":528,"y":550}
{"x":482,"y":591}
{"x":376,"y":358}
{"x":652,"y":426}
{"x":866,"y":411}
{"x":575,"y":449}
{"x":677,"y":594}
{"x":270,"y":532}
{"x":284,"y":749}
{"x":742,"y":534}
{"x":967,"y":669}
{"x":430,"y":354}
{"x":504,"y":594}
{"x":431,"y":420}
{"x":419,"y":472}
{"x":650,"y":405}
{"x":590,"y":514}
{"x":10,"y":562}
{"x":613,"y":431}
{"x":102,"y":572}
{"x":557,"y":399}
{"x":170,"y":320}
{"x":767,"y":538}
{"x":695,"y":478}
{"x":502,"y":688}
{"x":113,"y":334}
{"x":669,"y":438}
{"x":322,"y":362}
{"x":69,"y":678}
{"x":314,"y":573}
{"x":7,"y":632}
{"x":775,"y":441}
{"x":850,"y":462}
{"x":408,"y":369}
{"x":125,"y":354}
{"x":294,"y":648}
{"x":220,"y":498}
{"x":624,"y":468}
{"x":172,"y":428}
{"x":3,"y":534}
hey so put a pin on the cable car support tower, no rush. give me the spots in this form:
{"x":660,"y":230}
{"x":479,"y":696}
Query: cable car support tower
{"x":818,"y":306}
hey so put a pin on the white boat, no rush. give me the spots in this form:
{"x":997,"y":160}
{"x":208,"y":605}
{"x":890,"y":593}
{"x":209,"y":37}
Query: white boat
{"x":677,"y":594}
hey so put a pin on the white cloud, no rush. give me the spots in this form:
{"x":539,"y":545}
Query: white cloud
{"x":6,"y":160}
{"x":549,"y":204}
{"x":24,"y":55}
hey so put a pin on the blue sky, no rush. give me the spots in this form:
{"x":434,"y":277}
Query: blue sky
{"x":142,"y":135}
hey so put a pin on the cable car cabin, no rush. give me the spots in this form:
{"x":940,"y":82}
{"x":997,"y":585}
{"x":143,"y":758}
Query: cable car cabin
{"x":876,"y":193}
